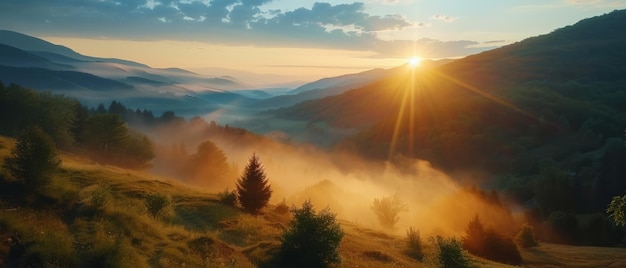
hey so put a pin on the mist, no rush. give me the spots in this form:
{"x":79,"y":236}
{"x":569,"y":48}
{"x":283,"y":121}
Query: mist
{"x":347,"y":184}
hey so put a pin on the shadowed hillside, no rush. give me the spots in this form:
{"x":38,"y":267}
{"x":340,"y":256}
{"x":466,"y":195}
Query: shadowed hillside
{"x":542,"y":118}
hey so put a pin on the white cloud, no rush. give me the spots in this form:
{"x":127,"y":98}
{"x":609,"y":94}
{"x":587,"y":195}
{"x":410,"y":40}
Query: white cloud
{"x":443,"y":18}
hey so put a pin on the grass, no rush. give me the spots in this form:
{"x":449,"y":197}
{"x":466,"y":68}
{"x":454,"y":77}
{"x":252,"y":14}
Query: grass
{"x":64,"y":228}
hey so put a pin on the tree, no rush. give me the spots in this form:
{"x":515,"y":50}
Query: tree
{"x":208,"y":164}
{"x":475,"y":236}
{"x":526,"y":237}
{"x":414,"y":244}
{"x":105,"y":134}
{"x":253,"y":188}
{"x":617,"y":210}
{"x":155,"y":203}
{"x":34,"y":158}
{"x":489,"y":244}
{"x":387,"y":210}
{"x":451,"y":253}
{"x":312,"y":239}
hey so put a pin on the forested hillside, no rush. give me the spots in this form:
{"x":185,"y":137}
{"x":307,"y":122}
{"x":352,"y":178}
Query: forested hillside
{"x":542,"y":120}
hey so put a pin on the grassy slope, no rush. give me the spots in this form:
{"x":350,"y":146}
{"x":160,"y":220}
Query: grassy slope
{"x":195,"y":231}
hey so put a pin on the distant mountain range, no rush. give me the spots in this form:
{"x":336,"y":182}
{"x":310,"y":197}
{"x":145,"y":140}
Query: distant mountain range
{"x":38,"y":64}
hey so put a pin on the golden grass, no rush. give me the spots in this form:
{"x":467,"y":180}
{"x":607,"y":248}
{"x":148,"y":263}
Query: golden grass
{"x":197,"y":231}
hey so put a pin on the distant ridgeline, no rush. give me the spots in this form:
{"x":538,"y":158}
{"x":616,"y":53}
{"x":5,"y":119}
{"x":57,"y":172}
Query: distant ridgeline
{"x":98,"y":133}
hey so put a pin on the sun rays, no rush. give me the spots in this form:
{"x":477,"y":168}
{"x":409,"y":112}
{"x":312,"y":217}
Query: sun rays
{"x":427,"y":89}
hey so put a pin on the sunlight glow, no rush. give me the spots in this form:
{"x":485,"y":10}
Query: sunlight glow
{"x":415,"y":61}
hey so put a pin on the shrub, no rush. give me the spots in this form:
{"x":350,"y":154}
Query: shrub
{"x":617,"y":210}
{"x":34,"y":159}
{"x":282,"y":207}
{"x":155,"y":203}
{"x":312,"y":239}
{"x":387,"y":210}
{"x":227,"y":197}
{"x":414,"y":244}
{"x":490,"y":245}
{"x":526,"y":237}
{"x":451,"y":253}
{"x":100,"y":196}
{"x":253,"y":188}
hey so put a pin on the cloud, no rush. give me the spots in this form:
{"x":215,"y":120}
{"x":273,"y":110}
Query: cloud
{"x":392,"y":2}
{"x":443,"y":18}
{"x":431,"y":47}
{"x":232,"y":22}
{"x":494,"y":41}
{"x":584,"y":2}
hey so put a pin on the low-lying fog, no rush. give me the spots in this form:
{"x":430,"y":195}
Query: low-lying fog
{"x":436,"y":202}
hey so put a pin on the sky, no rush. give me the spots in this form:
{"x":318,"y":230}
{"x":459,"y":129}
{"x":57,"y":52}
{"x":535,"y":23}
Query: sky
{"x":304,"y":39}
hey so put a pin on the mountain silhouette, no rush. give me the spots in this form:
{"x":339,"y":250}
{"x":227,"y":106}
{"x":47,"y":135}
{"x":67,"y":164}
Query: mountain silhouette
{"x":557,"y":96}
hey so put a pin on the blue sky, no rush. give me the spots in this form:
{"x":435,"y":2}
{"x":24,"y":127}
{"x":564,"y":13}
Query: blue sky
{"x":381,"y":31}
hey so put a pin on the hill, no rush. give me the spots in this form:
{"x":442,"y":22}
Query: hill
{"x":44,"y":66}
{"x":63,"y":227}
{"x":30,"y":43}
{"x":541,"y":120}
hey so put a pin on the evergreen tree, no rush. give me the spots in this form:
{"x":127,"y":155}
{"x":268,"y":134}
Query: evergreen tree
{"x":34,"y":159}
{"x":253,"y":188}
{"x":208,"y":164}
{"x":312,"y":239}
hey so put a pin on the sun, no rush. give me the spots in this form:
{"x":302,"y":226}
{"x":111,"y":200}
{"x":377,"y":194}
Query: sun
{"x":414,"y":61}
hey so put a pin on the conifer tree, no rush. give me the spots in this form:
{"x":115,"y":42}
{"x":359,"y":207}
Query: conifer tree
{"x":253,"y":188}
{"x":34,"y":159}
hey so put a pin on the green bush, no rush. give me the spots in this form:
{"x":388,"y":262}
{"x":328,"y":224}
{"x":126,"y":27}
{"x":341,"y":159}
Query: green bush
{"x":155,"y":203}
{"x":451,"y":253}
{"x":100,"y":196}
{"x":312,"y":239}
{"x":227,"y":197}
{"x":282,"y":207}
{"x":414,"y":244}
{"x":34,"y":159}
{"x":526,"y":237}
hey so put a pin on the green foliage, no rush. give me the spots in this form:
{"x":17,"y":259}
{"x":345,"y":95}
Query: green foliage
{"x":490,"y":245}
{"x":414,"y":244}
{"x":100,"y":196}
{"x":282,"y":207}
{"x":526,"y":237}
{"x":387,"y":210}
{"x":253,"y":188}
{"x":617,"y":210}
{"x":34,"y":159}
{"x":451,"y":253}
{"x":227,"y":197}
{"x":312,"y":239}
{"x":155,"y":203}
{"x":109,"y":140}
{"x":54,"y":114}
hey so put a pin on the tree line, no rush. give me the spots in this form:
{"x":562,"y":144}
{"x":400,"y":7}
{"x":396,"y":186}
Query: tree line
{"x":101,"y":135}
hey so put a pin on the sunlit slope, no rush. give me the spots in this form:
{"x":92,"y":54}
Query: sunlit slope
{"x":550,"y":97}
{"x":62,"y":228}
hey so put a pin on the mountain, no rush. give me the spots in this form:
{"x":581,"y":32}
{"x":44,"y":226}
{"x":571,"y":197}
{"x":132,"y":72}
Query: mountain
{"x":324,"y":87}
{"x":30,"y":43}
{"x":40,"y":78}
{"x":41,"y":65}
{"x":10,"y":56}
{"x":543,"y":118}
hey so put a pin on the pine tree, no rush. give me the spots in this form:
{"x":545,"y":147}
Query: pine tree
{"x":253,"y":188}
{"x":34,"y":159}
